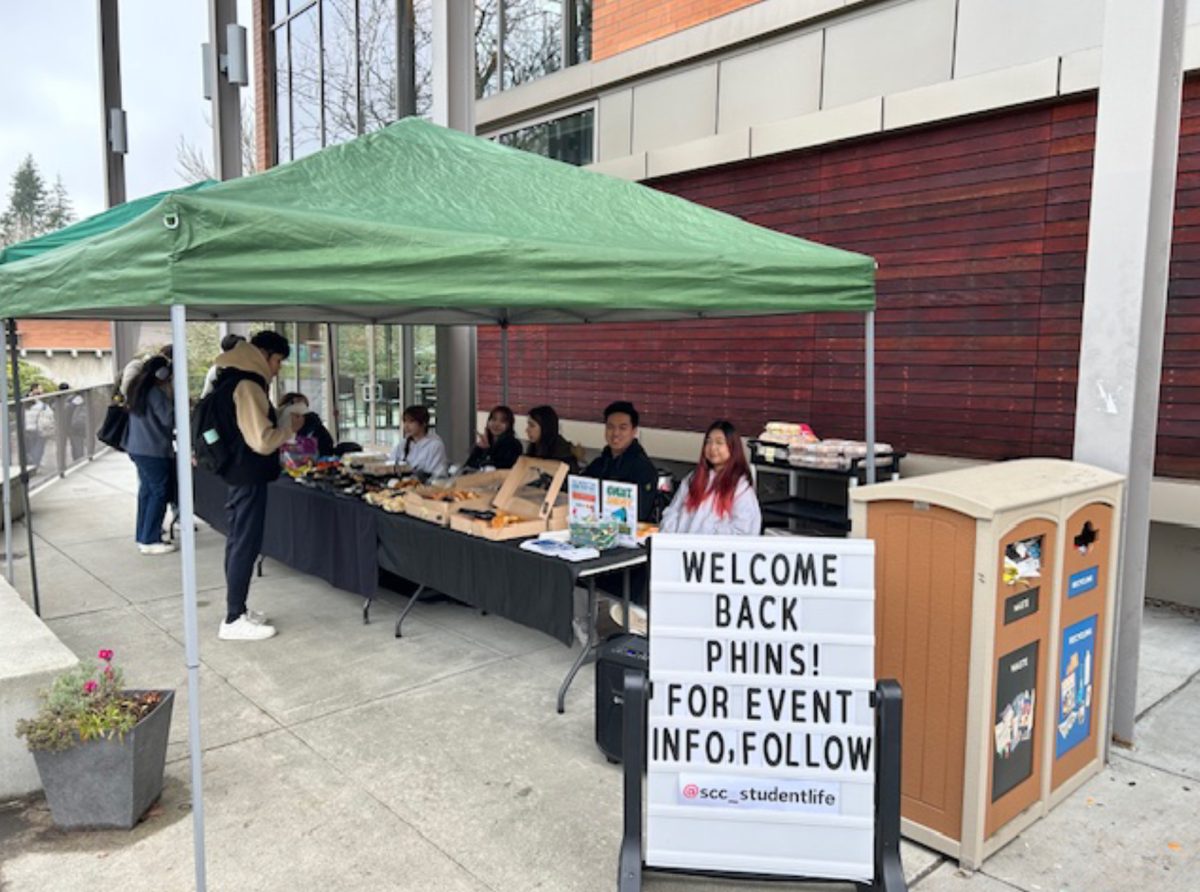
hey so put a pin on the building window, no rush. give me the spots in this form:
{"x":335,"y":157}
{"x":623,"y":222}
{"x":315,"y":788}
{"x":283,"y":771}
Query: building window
{"x":348,"y":67}
{"x":517,"y":41}
{"x":570,"y":138}
{"x":340,"y":69}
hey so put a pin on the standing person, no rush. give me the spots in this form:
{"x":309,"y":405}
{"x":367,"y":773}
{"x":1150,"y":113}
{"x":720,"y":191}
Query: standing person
{"x":149,"y":441}
{"x":39,"y":427}
{"x":623,"y":457}
{"x":247,"y":421}
{"x":497,"y":447}
{"x":210,"y":377}
{"x":135,"y":365}
{"x":422,"y":450}
{"x":310,"y":422}
{"x":74,"y":419}
{"x":541,"y":429}
{"x":718,"y":497}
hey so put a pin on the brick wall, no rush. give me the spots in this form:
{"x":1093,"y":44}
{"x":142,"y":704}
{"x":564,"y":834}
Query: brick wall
{"x":980,"y":230}
{"x":44,"y":334}
{"x":264,"y":86}
{"x":619,"y":25}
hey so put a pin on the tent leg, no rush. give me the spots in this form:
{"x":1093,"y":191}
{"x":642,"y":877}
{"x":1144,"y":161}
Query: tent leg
{"x":6,"y":458}
{"x":504,"y":363}
{"x":870,"y":396}
{"x":16,"y":373}
{"x":187,"y":536}
{"x":372,"y":419}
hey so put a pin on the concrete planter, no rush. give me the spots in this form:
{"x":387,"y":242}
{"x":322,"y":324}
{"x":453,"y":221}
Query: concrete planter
{"x":108,"y":783}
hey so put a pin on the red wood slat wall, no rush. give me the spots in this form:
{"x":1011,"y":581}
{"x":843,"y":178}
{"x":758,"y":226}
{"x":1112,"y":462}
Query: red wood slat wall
{"x":980,"y":230}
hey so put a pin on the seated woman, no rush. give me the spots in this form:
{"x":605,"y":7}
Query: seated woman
{"x":297,"y":404}
{"x":422,"y":450}
{"x":498,"y":446}
{"x":544,"y":439}
{"x":718,"y":497}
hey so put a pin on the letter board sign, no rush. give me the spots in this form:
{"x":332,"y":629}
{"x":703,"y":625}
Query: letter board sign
{"x":761,"y":728}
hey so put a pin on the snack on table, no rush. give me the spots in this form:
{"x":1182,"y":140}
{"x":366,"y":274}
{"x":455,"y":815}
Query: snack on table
{"x":503,"y":519}
{"x":453,"y":495}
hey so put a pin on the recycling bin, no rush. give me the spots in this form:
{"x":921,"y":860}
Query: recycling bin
{"x":994,"y":598}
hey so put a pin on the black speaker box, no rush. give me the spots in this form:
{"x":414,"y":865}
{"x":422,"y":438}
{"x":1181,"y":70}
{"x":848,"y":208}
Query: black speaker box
{"x":616,"y":655}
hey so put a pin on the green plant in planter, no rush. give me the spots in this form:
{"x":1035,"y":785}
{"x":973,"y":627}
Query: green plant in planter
{"x":84,"y":704}
{"x":99,"y":749}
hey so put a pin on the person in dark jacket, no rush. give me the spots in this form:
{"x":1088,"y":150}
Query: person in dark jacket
{"x":498,"y":446}
{"x":247,"y":419}
{"x":623,"y":458}
{"x":150,"y":443}
{"x":545,"y":441}
{"x":311,"y":425}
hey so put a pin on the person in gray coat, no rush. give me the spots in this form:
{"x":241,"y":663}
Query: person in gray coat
{"x":150,"y":442}
{"x":718,"y":498}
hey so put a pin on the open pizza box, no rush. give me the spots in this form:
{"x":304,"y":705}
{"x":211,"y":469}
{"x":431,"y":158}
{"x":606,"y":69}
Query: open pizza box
{"x":436,"y":504}
{"x":526,"y":505}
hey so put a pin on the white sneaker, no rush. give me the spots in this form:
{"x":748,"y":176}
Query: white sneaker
{"x":157,"y":548}
{"x":242,"y":629}
{"x":256,"y":616}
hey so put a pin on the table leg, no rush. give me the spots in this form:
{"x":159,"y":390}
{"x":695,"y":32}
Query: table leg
{"x":589,"y":646}
{"x":367,"y":610}
{"x":412,"y":602}
{"x":261,"y":558}
{"x":625,"y":582}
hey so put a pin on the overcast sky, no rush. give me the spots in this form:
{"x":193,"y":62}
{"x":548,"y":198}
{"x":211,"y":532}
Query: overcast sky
{"x":50,"y":99}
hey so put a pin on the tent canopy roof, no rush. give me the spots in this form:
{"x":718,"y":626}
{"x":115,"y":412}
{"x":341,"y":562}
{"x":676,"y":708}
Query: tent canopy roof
{"x":417,"y":223}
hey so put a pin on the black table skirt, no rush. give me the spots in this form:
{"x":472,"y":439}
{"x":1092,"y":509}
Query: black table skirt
{"x":327,"y":536}
{"x":527,"y":588}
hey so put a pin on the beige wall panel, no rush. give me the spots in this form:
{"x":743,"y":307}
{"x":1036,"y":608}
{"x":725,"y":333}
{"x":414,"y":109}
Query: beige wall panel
{"x":675,"y":109}
{"x":782,"y":80}
{"x":994,"y":34}
{"x":614,"y":120}
{"x":888,"y":49}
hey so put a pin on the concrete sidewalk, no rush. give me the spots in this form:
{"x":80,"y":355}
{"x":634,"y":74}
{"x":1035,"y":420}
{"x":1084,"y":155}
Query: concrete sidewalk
{"x":337,"y":757}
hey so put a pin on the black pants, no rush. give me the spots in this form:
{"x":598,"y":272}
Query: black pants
{"x":245,"y":513}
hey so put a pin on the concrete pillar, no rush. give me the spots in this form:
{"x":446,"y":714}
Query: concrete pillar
{"x":1129,"y":244}
{"x":226,"y":102}
{"x":124,"y":335}
{"x":454,"y":107}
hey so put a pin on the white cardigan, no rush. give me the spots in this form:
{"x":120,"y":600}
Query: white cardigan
{"x":745,"y":517}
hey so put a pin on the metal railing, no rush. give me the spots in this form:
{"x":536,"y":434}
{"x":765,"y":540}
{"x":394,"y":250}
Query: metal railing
{"x":59,"y":430}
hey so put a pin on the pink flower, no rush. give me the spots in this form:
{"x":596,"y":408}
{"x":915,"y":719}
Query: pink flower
{"x":108,"y":671}
{"x":105,"y":654}
{"x":90,"y":686}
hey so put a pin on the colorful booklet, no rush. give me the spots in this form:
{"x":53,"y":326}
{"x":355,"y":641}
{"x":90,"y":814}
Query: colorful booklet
{"x":583,"y":498}
{"x":620,"y":503}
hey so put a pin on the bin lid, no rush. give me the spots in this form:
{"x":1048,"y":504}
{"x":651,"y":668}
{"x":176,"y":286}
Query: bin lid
{"x":986,"y":490}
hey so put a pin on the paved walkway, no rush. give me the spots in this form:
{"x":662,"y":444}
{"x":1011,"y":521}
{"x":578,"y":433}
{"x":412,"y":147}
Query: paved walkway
{"x":336,"y":757}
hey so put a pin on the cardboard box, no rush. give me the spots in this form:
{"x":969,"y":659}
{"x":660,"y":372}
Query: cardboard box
{"x":428,"y":503}
{"x":537,"y":510}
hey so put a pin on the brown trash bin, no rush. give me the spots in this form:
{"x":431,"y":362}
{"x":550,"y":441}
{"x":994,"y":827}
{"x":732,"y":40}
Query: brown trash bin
{"x":995,"y":590}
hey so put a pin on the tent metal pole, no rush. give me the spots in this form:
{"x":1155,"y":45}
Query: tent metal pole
{"x":504,"y":363}
{"x":6,"y":458}
{"x":870,"y":396}
{"x":187,"y":536}
{"x":371,"y":419}
{"x":16,"y":374}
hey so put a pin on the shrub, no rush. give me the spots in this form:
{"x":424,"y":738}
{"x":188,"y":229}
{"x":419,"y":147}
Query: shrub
{"x":86,"y":703}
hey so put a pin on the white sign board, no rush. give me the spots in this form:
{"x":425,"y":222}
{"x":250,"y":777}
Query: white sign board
{"x":762,"y":735}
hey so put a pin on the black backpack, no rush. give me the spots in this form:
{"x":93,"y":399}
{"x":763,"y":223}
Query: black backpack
{"x":215,"y":437}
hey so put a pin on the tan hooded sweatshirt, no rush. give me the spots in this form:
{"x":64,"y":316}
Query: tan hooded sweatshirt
{"x":250,"y":401}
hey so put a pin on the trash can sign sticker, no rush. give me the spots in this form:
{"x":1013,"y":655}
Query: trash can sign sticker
{"x":1075,"y":686}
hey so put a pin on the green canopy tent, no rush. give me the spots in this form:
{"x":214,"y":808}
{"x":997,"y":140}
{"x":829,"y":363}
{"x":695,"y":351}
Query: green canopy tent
{"x":419,"y":224}
{"x":84,"y":229}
